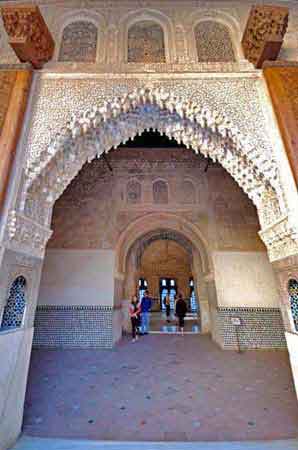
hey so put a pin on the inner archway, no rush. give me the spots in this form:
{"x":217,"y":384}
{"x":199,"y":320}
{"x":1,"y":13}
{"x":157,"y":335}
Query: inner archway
{"x":164,"y":261}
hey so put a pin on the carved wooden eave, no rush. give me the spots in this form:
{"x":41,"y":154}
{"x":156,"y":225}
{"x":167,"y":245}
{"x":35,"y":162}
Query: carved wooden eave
{"x":264,"y":33}
{"x":28,"y":34}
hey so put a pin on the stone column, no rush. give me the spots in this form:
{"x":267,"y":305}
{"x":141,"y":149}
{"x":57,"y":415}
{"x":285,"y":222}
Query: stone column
{"x":213,"y":304}
{"x":201,"y":288}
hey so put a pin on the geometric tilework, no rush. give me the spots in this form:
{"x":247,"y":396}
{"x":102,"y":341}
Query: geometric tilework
{"x":73,"y":326}
{"x":293,"y":293}
{"x":15,"y":305}
{"x":79,"y":42}
{"x":213,"y":42}
{"x":261,"y":328}
{"x":146,"y":43}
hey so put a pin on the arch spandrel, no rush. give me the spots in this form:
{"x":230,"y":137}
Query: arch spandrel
{"x":113,"y":123}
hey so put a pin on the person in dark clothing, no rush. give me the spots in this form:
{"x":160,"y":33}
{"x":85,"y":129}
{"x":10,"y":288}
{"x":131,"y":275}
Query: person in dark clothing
{"x":146,"y":304}
{"x":181,"y":309}
{"x":134,"y":311}
{"x":167,"y":303}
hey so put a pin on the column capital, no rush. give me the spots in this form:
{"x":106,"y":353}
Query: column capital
{"x":281,"y":239}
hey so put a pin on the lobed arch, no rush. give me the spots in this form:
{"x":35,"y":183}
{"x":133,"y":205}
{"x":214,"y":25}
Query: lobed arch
{"x":104,"y":127}
{"x":82,"y":15}
{"x":142,"y":15}
{"x":223,"y":18}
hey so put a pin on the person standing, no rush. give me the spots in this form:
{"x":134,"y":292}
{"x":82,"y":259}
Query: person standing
{"x":146,"y":305}
{"x":181,"y":309}
{"x":134,"y":311}
{"x":167,"y":303}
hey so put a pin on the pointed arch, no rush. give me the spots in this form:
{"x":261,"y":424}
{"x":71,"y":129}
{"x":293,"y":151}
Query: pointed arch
{"x":104,"y":127}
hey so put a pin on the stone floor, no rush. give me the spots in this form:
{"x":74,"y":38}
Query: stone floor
{"x":159,"y":324}
{"x":161,"y":388}
{"x":31,"y":443}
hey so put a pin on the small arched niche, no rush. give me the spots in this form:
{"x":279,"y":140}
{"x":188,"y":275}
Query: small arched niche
{"x":187,"y":193}
{"x":79,"y":42}
{"x":133,"y":192}
{"x":213,"y":42}
{"x":14,"y":309}
{"x":293,"y":297}
{"x":160,"y":192}
{"x":146,"y":43}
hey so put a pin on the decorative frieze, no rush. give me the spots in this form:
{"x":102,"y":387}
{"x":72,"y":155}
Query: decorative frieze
{"x":264,"y":33}
{"x":24,"y":234}
{"x":28,"y":34}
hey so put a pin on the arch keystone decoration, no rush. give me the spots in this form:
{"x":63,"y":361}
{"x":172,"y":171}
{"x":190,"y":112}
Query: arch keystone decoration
{"x":103,"y":127}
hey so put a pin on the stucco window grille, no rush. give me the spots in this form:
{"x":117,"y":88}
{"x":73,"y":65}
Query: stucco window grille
{"x":146,"y":43}
{"x":134,"y":192}
{"x":15,"y":306}
{"x":79,"y":42}
{"x":213,"y":42}
{"x":293,"y":294}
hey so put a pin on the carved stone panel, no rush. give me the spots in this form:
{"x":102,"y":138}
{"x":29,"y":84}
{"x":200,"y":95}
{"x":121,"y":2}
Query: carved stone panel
{"x":264,"y":33}
{"x":28,"y":34}
{"x":213,"y":42}
{"x":79,"y":42}
{"x":146,"y":43}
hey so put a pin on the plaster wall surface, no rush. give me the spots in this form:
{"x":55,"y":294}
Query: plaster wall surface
{"x":77,"y":277}
{"x":245,"y":279}
{"x":15,"y":349}
{"x":292,"y":343}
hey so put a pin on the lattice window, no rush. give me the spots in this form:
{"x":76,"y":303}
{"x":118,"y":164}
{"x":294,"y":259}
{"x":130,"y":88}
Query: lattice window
{"x":134,"y":192}
{"x":213,"y":42}
{"x":293,"y":294}
{"x":15,"y":306}
{"x":79,"y":42}
{"x":146,"y":43}
{"x":160,"y":192}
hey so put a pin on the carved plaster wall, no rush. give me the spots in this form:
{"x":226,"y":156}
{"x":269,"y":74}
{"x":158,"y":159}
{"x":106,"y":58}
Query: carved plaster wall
{"x":95,"y":208}
{"x":179,"y":22}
